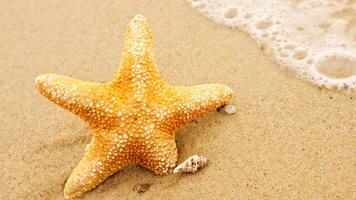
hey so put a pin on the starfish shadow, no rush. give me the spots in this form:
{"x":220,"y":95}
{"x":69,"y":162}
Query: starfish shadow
{"x":53,"y":153}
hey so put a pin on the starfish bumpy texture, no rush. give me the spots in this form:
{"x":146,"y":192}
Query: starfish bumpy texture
{"x":134,"y":117}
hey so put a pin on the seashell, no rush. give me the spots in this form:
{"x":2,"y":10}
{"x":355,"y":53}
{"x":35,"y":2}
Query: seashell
{"x":192,"y":164}
{"x":229,"y":109}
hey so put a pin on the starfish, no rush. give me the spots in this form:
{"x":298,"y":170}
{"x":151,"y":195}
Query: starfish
{"x":134,"y":117}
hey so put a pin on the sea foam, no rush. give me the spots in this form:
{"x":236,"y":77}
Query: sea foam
{"x":314,"y":38}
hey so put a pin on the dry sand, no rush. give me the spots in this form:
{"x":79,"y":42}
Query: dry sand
{"x":288,"y":140}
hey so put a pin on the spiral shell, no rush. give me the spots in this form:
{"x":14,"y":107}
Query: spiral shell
{"x":192,"y":164}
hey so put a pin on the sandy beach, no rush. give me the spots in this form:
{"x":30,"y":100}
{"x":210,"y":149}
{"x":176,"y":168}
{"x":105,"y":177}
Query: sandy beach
{"x":288,"y":140}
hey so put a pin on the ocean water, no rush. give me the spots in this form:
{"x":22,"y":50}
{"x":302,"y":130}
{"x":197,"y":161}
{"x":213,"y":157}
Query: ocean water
{"x":314,"y":38}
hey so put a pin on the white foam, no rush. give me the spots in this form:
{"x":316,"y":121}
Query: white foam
{"x":315,"y":38}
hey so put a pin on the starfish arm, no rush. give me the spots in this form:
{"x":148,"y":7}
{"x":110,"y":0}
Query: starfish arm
{"x":161,"y":154}
{"x":138,"y":71}
{"x":90,"y":101}
{"x":100,"y":162}
{"x":189,"y":103}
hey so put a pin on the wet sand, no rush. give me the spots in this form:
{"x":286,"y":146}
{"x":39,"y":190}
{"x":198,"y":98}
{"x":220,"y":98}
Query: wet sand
{"x":288,"y":139}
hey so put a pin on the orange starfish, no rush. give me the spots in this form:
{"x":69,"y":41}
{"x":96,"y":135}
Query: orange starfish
{"x":134,"y":117}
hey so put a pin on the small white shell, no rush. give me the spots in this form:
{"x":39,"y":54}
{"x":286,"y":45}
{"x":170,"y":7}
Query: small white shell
{"x":192,"y":164}
{"x":229,"y":109}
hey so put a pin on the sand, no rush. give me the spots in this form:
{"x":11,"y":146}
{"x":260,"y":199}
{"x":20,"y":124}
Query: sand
{"x":288,"y":139}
